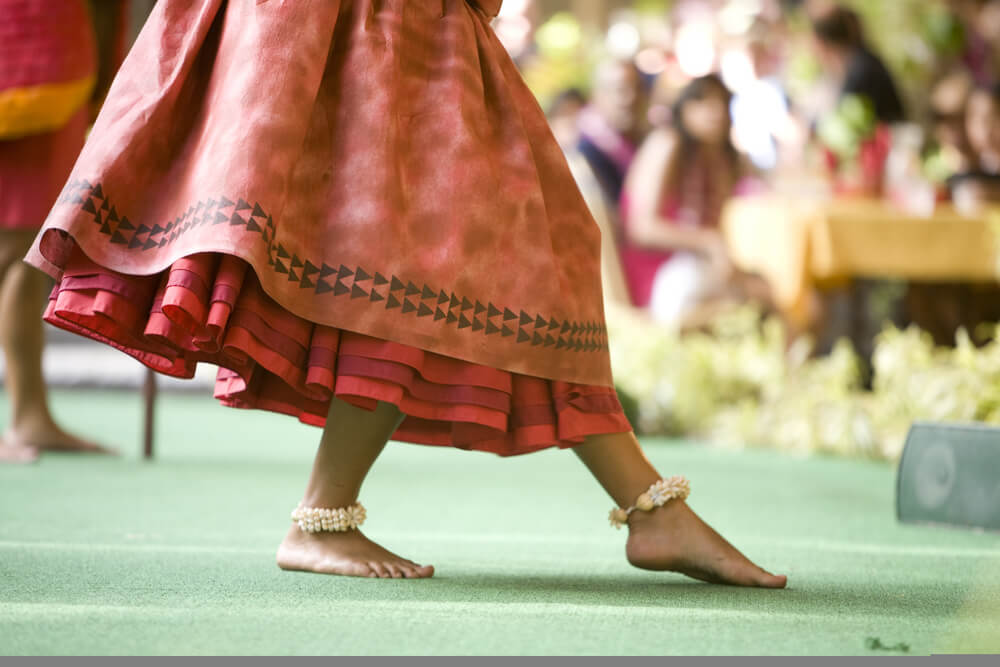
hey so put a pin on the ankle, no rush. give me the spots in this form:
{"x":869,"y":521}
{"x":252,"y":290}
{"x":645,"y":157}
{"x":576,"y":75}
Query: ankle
{"x":296,"y":534}
{"x":26,"y":422}
{"x":654,"y":519}
{"x":338,"y":498}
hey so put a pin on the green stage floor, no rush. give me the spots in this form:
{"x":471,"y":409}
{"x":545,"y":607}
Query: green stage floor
{"x":102,"y":555}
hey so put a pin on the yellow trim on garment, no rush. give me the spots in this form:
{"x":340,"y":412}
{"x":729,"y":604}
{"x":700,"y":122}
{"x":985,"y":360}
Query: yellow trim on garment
{"x":42,"y":108}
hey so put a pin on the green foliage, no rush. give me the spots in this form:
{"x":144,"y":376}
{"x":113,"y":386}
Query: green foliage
{"x":938,"y":167}
{"x":740,"y":385}
{"x":942,"y":30}
{"x":851,"y":123}
{"x":652,"y":6}
{"x":566,"y":56}
{"x":560,"y":37}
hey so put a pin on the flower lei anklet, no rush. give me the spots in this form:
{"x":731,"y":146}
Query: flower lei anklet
{"x":317,"y":519}
{"x":656,"y":496}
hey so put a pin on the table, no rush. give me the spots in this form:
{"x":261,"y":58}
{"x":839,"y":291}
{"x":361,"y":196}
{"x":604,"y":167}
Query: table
{"x":801,"y":244}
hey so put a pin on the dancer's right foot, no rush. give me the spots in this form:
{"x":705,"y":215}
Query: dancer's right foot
{"x":49,"y":437}
{"x":348,"y":553}
{"x":16,"y":452}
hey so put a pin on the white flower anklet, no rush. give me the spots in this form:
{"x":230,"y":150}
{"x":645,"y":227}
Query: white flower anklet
{"x":656,"y":496}
{"x":317,"y":519}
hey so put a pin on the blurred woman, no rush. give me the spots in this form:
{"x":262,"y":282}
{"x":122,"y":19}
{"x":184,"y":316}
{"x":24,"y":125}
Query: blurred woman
{"x":948,"y":136}
{"x":674,"y":255}
{"x":942,"y":308}
{"x":979,"y":182}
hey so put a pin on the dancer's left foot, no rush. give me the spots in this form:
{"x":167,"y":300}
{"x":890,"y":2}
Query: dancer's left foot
{"x":674,"y":538}
{"x":51,"y":438}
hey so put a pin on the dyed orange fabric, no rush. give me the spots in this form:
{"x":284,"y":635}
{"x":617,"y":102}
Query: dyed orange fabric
{"x":378,"y":169}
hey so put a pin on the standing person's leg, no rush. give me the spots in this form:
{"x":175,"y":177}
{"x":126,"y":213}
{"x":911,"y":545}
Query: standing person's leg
{"x":9,"y":452}
{"x":352,"y":439}
{"x":671,"y":537}
{"x":23,"y":290}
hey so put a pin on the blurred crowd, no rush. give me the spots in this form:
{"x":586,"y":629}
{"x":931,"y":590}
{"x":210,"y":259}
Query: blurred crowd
{"x":663,"y":136}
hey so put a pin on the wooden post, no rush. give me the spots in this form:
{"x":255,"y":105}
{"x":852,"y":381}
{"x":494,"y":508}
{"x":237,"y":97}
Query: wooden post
{"x":149,"y":398}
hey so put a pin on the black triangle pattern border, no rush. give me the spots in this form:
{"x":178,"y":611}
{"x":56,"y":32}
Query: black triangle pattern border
{"x":383,"y":290}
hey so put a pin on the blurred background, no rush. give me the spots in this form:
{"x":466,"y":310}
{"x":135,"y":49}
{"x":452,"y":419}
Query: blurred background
{"x":797,"y":205}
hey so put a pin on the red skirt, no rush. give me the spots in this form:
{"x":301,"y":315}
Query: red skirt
{"x":357,"y":199}
{"x":211,"y":308}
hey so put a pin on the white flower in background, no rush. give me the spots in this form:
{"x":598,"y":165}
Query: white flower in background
{"x":741,"y":386}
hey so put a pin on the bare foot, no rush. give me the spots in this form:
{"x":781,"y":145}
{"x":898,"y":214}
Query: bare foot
{"x":51,"y":438}
{"x":674,"y":538}
{"x":349,"y":553}
{"x":15,"y":452}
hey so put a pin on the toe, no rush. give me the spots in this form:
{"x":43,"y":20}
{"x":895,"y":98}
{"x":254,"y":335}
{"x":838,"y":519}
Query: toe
{"x":766,"y":579}
{"x":416,"y":570}
{"x":362,"y":570}
{"x":379,"y":569}
{"x":395,"y":571}
{"x":774,"y":581}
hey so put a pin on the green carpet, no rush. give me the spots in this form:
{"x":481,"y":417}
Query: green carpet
{"x":119,"y":556}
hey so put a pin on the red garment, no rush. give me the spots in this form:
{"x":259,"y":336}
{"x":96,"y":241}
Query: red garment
{"x":45,"y":41}
{"x":33,"y":170}
{"x":41,"y":42}
{"x":695,"y":203}
{"x":358,"y":199}
{"x":640,"y":263}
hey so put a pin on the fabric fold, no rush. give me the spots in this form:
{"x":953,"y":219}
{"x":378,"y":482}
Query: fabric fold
{"x":210,"y":308}
{"x":489,"y":7}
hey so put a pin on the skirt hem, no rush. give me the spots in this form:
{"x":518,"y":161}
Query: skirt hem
{"x":211,"y":308}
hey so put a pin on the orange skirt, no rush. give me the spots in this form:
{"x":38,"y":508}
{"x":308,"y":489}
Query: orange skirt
{"x":359,"y":199}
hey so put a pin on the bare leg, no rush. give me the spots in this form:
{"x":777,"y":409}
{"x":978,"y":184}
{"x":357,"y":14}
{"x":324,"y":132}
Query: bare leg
{"x":671,"y":537}
{"x":23,"y":291}
{"x":352,"y":440}
{"x":9,"y":451}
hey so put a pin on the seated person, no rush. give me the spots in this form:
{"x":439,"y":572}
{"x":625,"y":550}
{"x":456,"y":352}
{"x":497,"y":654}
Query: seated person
{"x":674,"y":256}
{"x":947,"y":139}
{"x":941,"y":308}
{"x":612,"y":124}
{"x":845,"y":54}
{"x":979,"y":183}
{"x":564,"y":116}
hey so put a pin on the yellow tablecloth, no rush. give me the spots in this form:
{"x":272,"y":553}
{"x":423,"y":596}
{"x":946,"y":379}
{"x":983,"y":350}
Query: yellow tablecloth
{"x":799,"y":244}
